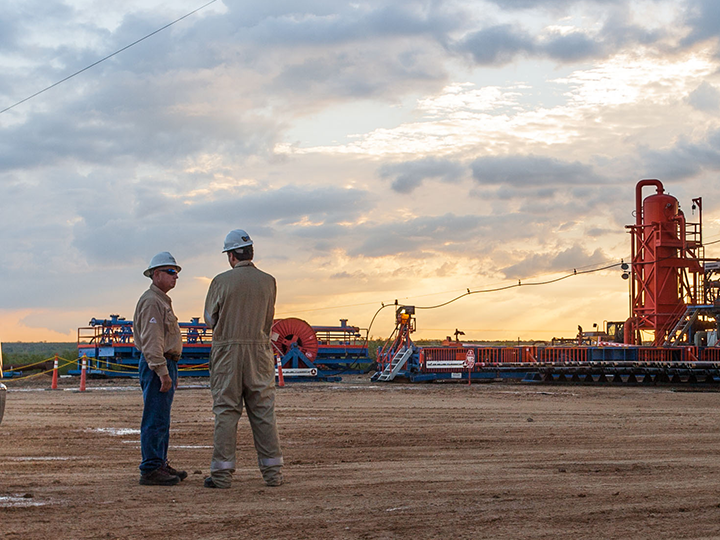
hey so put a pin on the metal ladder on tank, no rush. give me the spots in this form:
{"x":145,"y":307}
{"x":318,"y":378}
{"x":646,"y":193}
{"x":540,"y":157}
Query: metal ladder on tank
{"x":396,"y":364}
{"x":682,"y":327}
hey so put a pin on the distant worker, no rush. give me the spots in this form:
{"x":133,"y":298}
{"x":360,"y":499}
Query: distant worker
{"x":157,"y":336}
{"x":239,"y":307}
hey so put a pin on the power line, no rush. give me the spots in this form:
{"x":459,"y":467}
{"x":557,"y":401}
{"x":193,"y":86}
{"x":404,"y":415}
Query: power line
{"x":385,"y":304}
{"x":107,"y":57}
{"x":520,"y":284}
{"x":575,"y":272}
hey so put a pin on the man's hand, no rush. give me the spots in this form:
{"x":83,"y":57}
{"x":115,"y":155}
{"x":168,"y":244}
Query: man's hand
{"x":165,"y":383}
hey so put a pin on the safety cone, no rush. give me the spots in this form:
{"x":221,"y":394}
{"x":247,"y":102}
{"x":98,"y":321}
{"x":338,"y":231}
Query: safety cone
{"x":281,"y":380}
{"x":53,"y":386}
{"x":83,"y":374}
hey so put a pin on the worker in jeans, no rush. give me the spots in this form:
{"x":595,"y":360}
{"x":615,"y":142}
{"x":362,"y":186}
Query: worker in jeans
{"x":157,"y":337}
{"x":239,"y":307}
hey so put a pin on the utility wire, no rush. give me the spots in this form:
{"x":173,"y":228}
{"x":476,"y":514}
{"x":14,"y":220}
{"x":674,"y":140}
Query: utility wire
{"x":575,"y":272}
{"x":390,"y":302}
{"x":107,"y":57}
{"x":520,"y":284}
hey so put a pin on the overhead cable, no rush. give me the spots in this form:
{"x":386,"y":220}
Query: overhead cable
{"x":521,"y":284}
{"x":468,"y":292}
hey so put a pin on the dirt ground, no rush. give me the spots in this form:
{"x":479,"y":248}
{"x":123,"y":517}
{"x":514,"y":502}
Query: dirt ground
{"x":373,"y":460}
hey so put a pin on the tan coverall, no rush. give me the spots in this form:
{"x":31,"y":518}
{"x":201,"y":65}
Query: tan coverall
{"x":239,"y":307}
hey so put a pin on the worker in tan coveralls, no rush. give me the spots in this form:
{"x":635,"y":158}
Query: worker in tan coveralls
{"x":157,"y":336}
{"x":240,"y":306}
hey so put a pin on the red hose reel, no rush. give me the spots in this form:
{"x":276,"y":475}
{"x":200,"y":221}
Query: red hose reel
{"x":285,"y":332}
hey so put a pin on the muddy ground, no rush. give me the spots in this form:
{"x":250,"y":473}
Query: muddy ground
{"x":367,"y":460}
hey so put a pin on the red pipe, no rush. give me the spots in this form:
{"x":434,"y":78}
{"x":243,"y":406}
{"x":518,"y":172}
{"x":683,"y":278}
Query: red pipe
{"x":638,"y":196}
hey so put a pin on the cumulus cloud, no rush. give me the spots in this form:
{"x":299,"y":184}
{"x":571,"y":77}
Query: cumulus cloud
{"x":573,"y":47}
{"x":496,"y":45}
{"x":410,"y":174}
{"x":532,"y":264}
{"x":258,"y":210}
{"x":333,"y":23}
{"x":703,"y":17}
{"x":705,"y":98}
{"x":530,"y":171}
{"x":500,"y":44}
{"x":417,"y":235}
{"x":547,"y":4}
{"x":686,"y":159}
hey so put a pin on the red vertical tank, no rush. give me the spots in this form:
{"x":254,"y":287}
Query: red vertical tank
{"x":660,"y":221}
{"x":657,"y":249}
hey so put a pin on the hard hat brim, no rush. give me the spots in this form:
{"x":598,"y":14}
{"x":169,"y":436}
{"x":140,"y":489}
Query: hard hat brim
{"x":149,"y":271}
{"x":233,"y":248}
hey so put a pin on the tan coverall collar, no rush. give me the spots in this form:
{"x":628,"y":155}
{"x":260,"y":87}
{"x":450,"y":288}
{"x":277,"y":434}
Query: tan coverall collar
{"x":157,"y":291}
{"x":243,"y":263}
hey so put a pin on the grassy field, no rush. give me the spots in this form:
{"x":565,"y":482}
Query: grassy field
{"x":23,"y":354}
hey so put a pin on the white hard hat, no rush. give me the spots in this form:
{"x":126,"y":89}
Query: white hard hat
{"x":161,"y":259}
{"x":236,"y":239}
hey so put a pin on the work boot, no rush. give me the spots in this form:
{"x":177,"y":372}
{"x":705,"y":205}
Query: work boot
{"x":275,"y":480}
{"x":158,"y":477}
{"x":182,"y":475}
{"x":209,"y":483}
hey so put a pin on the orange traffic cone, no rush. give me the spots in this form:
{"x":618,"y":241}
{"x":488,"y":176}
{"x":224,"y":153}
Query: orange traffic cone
{"x":83,"y":374}
{"x":53,"y":386}
{"x":281,"y":380}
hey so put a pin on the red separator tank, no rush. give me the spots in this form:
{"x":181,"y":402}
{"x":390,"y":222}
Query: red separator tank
{"x":666,"y":269}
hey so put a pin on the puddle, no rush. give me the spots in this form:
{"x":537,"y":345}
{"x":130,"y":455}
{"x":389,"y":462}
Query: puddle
{"x":9,"y":501}
{"x":397,"y":508}
{"x":115,"y":432}
{"x":357,"y":387}
{"x":105,"y":389}
{"x":539,"y":392}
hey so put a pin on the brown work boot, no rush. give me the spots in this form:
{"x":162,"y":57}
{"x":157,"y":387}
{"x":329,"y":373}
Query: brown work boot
{"x":275,"y":480}
{"x":209,"y":483}
{"x":182,"y":475}
{"x":158,"y":477}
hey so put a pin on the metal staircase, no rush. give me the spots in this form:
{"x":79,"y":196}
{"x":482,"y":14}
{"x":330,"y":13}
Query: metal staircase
{"x":396,"y":364}
{"x":684,"y":324}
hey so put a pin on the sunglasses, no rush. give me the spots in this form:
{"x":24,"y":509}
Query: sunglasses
{"x":170,"y":271}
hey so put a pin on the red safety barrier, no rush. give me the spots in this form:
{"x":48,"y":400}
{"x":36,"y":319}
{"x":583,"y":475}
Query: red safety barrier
{"x":655,"y":355}
{"x":562,"y":354}
{"x":511,"y":355}
{"x":53,"y":386}
{"x":710,"y":354}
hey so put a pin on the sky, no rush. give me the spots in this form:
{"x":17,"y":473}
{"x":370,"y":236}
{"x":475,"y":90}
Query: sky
{"x":374,"y":150}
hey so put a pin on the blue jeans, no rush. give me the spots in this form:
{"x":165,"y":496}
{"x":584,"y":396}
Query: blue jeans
{"x":155,"y":426}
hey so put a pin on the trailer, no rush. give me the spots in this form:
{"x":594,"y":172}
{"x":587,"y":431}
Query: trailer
{"x":304,"y":352}
{"x":109,"y":348}
{"x":604,"y":362}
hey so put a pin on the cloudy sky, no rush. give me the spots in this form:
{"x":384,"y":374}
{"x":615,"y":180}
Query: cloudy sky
{"x":374,"y":150}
